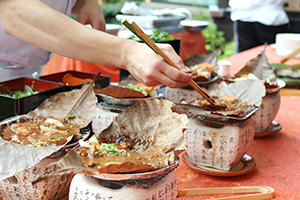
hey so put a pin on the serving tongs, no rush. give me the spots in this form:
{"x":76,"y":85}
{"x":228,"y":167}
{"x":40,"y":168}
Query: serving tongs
{"x":257,"y":192}
{"x":135,"y":29}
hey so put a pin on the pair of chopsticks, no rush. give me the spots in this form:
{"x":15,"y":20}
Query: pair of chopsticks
{"x":260,"y":192}
{"x":291,"y":55}
{"x":135,"y":29}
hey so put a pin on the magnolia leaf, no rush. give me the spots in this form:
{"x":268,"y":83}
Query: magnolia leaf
{"x":18,"y":157}
{"x":261,"y":68}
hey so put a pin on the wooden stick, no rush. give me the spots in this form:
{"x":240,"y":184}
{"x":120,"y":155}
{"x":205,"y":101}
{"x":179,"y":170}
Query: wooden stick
{"x":264,"y":192}
{"x":291,"y":55}
{"x":292,"y":67}
{"x":140,"y":33}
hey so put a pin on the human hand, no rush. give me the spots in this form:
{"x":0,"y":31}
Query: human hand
{"x":150,"y":68}
{"x":90,"y":12}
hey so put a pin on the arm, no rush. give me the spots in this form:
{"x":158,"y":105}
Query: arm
{"x":89,"y":12}
{"x":40,"y":25}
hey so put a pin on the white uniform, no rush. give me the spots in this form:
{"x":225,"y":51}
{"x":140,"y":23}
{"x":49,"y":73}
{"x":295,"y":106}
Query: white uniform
{"x":19,"y":58}
{"x":267,"y":12}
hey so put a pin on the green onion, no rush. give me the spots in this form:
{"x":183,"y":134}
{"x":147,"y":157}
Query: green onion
{"x":15,"y":126}
{"x":59,"y":138}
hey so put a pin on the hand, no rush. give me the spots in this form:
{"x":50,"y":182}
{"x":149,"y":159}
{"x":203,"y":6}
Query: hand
{"x":150,"y":68}
{"x":90,"y":12}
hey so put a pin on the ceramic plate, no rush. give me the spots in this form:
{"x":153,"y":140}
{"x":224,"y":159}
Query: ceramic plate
{"x":273,"y":128}
{"x":246,"y":165}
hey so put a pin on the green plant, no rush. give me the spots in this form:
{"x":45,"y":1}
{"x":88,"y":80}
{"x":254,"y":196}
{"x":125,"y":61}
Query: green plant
{"x":227,"y":50}
{"x":214,"y":39}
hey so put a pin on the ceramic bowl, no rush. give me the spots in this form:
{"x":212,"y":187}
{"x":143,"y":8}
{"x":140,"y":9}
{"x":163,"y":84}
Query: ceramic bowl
{"x":268,"y":108}
{"x":217,"y":144}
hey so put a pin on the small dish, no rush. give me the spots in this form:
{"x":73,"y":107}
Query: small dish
{"x":273,"y":128}
{"x":246,"y":164}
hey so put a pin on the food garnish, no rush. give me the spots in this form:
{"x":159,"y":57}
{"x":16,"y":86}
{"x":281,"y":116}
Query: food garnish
{"x":21,"y":94}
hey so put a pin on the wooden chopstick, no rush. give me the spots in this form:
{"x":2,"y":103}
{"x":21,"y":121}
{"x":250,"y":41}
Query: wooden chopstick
{"x":291,"y":55}
{"x":262,"y":192}
{"x":292,"y":67}
{"x":133,"y":27}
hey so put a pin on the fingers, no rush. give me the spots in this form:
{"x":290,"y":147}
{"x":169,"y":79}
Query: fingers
{"x":98,"y":24}
{"x":161,"y":73}
{"x":150,"y":68}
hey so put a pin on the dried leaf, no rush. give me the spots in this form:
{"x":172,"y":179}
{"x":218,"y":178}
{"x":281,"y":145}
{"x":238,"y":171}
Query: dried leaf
{"x":260,"y":67}
{"x":21,"y":157}
{"x":209,"y":57}
{"x":153,"y":118}
{"x":70,"y":103}
{"x":250,"y":90}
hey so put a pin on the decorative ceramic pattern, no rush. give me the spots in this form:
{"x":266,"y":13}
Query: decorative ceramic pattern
{"x":20,"y":186}
{"x":220,"y":148}
{"x":267,"y":111}
{"x":84,"y":187}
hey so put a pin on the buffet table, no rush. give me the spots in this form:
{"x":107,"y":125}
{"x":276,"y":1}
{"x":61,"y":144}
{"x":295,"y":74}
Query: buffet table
{"x":276,"y":156}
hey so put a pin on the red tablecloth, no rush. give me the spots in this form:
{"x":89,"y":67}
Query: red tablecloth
{"x":239,"y":60}
{"x":277,"y":156}
{"x":277,"y":160}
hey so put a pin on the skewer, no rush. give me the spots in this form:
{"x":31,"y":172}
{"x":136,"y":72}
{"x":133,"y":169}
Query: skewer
{"x":133,"y":27}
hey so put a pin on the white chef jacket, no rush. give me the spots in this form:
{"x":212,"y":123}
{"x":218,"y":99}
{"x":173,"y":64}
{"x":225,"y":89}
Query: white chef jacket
{"x":21,"y":59}
{"x":267,"y":12}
